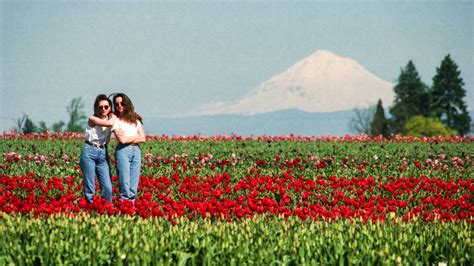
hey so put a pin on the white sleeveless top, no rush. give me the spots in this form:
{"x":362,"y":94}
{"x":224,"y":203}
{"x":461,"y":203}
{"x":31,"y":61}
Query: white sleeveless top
{"x":98,"y":135}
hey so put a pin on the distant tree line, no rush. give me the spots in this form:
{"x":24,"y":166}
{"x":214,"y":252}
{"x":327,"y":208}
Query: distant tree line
{"x":420,"y":110}
{"x":77,"y":120}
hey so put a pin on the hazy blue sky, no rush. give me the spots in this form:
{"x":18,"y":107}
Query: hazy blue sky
{"x":171,"y":57}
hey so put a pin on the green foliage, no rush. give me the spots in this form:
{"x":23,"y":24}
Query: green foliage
{"x":421,"y":126}
{"x":379,"y":125}
{"x":77,"y":118}
{"x":260,"y":241}
{"x":42,"y":127}
{"x":447,"y":95}
{"x":58,"y":126}
{"x":24,"y":125}
{"x":29,"y":126}
{"x":246,"y":153}
{"x":411,"y":98}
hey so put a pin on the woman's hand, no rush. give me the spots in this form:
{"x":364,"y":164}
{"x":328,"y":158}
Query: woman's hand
{"x":123,"y":139}
{"x":118,"y":132}
{"x":141,"y":136}
{"x":135,"y":139}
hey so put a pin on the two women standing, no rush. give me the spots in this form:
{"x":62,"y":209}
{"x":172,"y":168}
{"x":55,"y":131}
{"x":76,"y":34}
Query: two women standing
{"x":128,"y":128}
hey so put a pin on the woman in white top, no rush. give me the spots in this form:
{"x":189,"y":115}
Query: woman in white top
{"x":128,"y":129}
{"x":94,"y":156}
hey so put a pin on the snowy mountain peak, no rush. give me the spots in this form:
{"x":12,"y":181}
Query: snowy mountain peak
{"x":323,"y":55}
{"x":321,"y":82}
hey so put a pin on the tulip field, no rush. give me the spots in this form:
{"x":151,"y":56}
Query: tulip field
{"x":232,"y":200}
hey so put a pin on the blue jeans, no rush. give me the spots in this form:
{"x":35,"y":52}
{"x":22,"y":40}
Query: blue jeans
{"x":128,"y":162}
{"x":94,"y":161}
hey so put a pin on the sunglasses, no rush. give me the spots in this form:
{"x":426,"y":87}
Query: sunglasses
{"x":103,"y":107}
{"x":119,"y":104}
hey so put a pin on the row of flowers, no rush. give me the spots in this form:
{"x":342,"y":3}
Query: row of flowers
{"x":266,"y":138}
{"x":218,"y":197}
{"x":185,"y":163}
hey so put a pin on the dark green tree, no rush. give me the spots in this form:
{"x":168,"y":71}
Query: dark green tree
{"x":447,"y":95}
{"x":77,"y":118}
{"x":411,"y":98}
{"x":379,"y":125}
{"x":42,"y":127}
{"x":58,"y":126}
{"x":29,"y":126}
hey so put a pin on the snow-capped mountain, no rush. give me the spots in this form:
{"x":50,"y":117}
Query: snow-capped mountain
{"x":321,"y":82}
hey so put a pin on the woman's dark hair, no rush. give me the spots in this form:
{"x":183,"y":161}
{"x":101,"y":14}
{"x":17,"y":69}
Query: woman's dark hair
{"x":99,"y":98}
{"x":129,"y":115}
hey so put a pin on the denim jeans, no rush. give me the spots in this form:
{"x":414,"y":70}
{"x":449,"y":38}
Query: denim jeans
{"x":94,"y":161}
{"x":128,"y":163}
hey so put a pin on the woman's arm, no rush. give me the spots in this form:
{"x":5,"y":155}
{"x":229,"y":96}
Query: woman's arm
{"x":122,"y":139}
{"x":137,"y":138}
{"x":141,"y":136}
{"x":96,"y":121}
